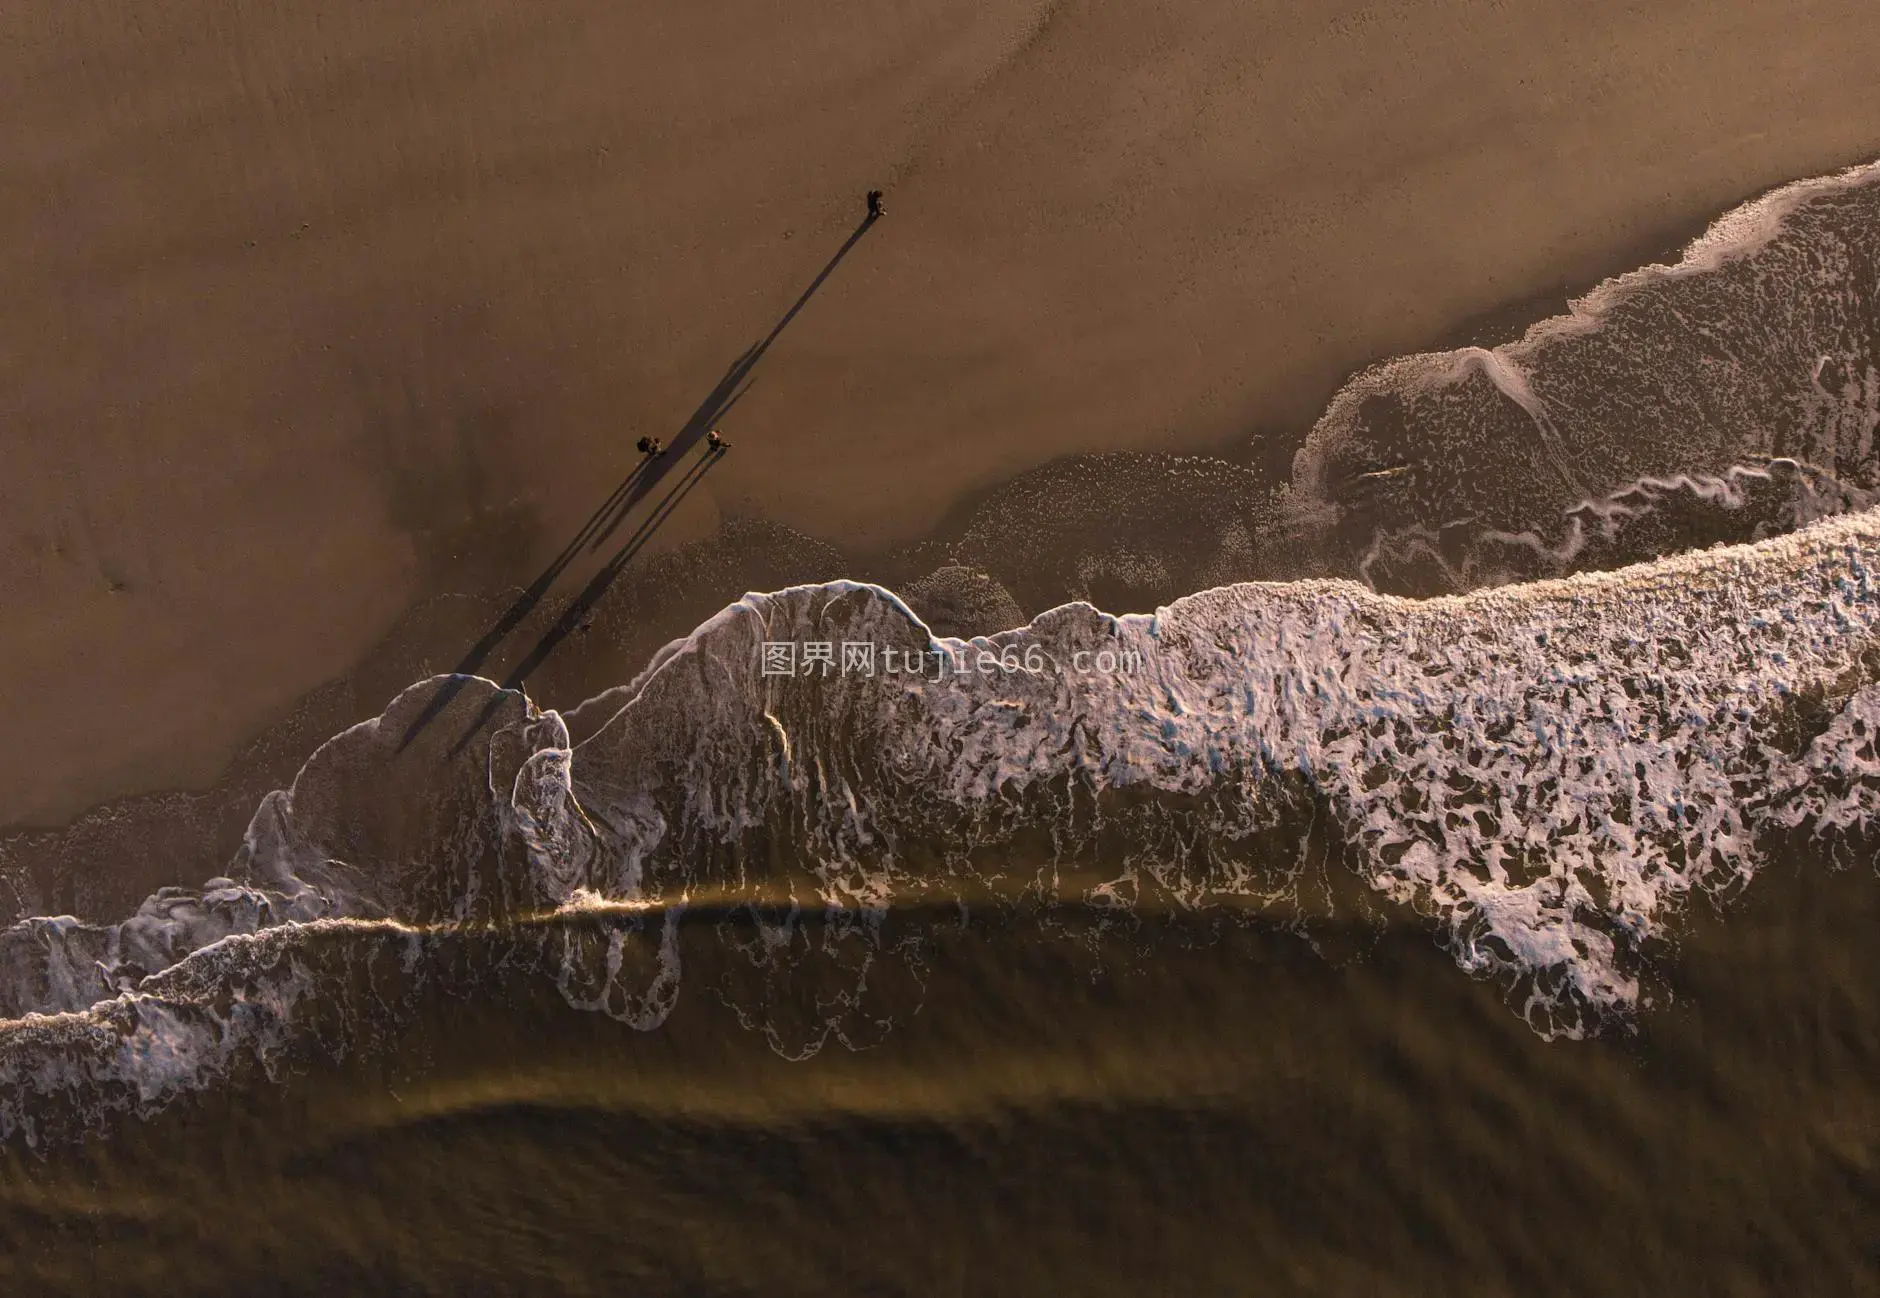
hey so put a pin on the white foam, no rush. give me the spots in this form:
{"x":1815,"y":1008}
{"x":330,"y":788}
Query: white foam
{"x":1739,"y":235}
{"x":1550,"y":770}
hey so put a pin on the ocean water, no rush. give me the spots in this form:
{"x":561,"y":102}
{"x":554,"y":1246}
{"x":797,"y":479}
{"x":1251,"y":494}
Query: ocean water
{"x":1465,"y":887}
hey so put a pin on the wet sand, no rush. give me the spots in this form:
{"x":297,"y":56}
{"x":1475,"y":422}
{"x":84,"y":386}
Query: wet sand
{"x":310,"y":319}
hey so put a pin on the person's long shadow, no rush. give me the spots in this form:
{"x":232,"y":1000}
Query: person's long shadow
{"x":641,"y":489}
{"x":635,"y":487}
{"x":575,"y":614}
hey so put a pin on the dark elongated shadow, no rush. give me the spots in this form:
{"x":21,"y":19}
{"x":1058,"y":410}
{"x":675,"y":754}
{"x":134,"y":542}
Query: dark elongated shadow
{"x":633,"y":497}
{"x":635,"y":487}
{"x":731,"y":387}
{"x":525,"y":603}
{"x":576,"y":612}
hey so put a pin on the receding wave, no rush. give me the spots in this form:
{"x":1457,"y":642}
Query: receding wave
{"x":1549,"y":773}
{"x":1547,"y":770}
{"x":1656,"y":392}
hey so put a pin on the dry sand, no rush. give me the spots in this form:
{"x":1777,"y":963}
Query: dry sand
{"x":309,"y":311}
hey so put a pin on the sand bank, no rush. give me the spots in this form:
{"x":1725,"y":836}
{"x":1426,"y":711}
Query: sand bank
{"x":307,"y":316}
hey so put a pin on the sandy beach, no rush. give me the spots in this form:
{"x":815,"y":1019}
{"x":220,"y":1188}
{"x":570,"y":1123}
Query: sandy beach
{"x":309,"y":317}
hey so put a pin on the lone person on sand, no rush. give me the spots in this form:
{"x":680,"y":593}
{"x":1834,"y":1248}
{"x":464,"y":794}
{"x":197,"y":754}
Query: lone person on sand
{"x":875,"y":209}
{"x":716,"y":443}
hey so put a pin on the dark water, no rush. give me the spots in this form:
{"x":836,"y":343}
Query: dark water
{"x":1515,"y":943}
{"x":1229,"y":1114}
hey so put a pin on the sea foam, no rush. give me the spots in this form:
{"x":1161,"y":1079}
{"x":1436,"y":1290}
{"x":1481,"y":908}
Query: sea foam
{"x":1549,"y":772}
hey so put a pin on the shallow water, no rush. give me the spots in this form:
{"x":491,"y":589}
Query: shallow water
{"x":1217,"y":1110}
{"x":1296,"y":937}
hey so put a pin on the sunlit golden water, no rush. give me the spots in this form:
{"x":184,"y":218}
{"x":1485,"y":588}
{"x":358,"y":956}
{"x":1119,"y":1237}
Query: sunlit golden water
{"x":1194,"y":1107}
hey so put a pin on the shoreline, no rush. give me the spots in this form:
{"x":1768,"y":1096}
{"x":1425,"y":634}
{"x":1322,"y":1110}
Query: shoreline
{"x":342,"y":351}
{"x":215,"y":813}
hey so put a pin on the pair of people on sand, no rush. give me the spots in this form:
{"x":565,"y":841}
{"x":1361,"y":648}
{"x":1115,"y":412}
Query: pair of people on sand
{"x":714,"y":442}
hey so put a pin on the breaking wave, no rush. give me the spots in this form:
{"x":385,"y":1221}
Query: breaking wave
{"x":1661,"y":390}
{"x":1548,"y":772}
